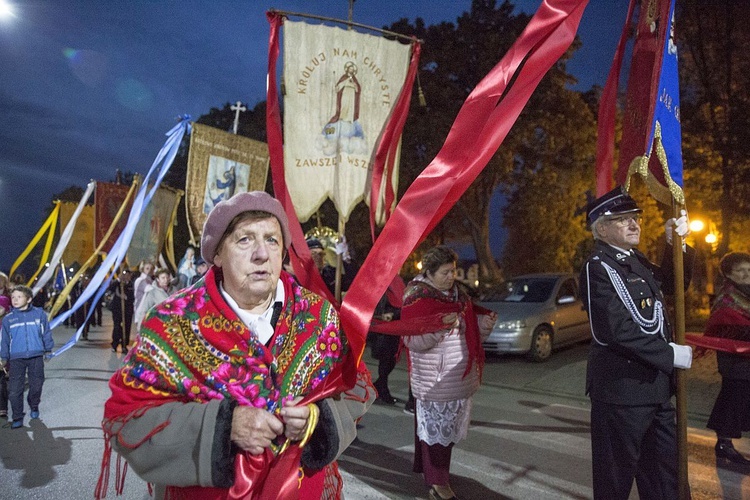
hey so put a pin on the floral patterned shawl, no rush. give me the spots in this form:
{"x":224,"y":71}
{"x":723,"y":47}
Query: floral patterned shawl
{"x":194,"y":348}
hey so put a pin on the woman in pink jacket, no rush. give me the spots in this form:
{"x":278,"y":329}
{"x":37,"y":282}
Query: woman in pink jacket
{"x":446,"y":365}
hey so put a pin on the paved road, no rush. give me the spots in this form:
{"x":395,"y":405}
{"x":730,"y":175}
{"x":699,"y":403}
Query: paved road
{"x":528,"y":440}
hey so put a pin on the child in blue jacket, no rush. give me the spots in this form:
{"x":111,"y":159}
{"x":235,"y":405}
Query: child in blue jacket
{"x":25,"y":338}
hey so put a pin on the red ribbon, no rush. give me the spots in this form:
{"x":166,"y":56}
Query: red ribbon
{"x":385,"y":156}
{"x":605,"y":144}
{"x":732,"y":346}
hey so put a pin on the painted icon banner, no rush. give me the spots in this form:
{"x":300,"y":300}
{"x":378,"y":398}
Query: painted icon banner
{"x":341,"y":88}
{"x":154,"y":226}
{"x":220,"y":164}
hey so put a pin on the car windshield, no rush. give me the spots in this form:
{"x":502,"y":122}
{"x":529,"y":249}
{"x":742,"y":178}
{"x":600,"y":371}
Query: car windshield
{"x":525,"y":290}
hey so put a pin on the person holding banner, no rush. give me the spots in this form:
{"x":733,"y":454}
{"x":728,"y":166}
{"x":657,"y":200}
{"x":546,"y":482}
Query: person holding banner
{"x":234,"y":387}
{"x":730,"y":320}
{"x":630,"y":373}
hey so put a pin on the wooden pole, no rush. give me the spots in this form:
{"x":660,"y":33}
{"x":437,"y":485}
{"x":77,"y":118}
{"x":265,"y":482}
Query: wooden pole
{"x":680,"y":375}
{"x":339,"y":262}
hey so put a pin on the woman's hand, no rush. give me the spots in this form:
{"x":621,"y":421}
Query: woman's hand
{"x":450,"y":319}
{"x":488,"y":321}
{"x":295,"y":419}
{"x":253,"y":429}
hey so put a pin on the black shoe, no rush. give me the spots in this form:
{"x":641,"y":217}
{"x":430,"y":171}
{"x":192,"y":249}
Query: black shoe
{"x":727,"y":451}
{"x":409,"y":407}
{"x":4,"y":414}
{"x":124,"y":350}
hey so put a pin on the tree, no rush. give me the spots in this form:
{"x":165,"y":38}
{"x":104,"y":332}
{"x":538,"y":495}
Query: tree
{"x":715,"y":111}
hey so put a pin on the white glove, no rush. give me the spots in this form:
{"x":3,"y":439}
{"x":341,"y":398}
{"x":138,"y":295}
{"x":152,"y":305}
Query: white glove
{"x":683,"y":355}
{"x":681,"y":226}
{"x":343,"y":249}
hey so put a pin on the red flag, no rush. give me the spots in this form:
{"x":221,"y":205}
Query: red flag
{"x":108,"y":200}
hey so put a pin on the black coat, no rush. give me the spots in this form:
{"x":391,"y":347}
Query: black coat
{"x":626,"y":365}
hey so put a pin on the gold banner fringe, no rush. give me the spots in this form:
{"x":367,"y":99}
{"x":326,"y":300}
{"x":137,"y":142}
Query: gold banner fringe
{"x":639,"y":165}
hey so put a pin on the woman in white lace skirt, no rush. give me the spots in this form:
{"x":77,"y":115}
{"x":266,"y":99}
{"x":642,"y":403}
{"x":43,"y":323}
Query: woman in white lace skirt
{"x":445,"y":365}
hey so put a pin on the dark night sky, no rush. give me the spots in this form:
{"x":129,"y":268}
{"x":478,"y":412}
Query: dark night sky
{"x":88,"y":86}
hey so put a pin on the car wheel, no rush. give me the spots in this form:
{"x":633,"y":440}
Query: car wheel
{"x":541,"y":344}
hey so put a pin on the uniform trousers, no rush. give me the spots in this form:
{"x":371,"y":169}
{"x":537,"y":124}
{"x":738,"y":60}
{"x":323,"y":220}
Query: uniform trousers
{"x":18,"y":369}
{"x":634,"y":442}
{"x":120,"y":336}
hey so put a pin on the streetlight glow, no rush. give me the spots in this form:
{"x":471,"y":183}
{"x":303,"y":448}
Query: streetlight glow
{"x":711,"y":238}
{"x":697,"y":225}
{"x":6,"y":10}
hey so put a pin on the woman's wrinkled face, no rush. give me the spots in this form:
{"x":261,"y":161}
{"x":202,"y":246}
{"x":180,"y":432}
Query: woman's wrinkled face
{"x":444,"y":277}
{"x":250,"y":258}
{"x":741,"y":273}
{"x":162,"y":281}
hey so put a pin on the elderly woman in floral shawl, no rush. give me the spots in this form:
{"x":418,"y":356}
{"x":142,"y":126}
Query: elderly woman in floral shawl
{"x":226,"y":393}
{"x":730,"y":324}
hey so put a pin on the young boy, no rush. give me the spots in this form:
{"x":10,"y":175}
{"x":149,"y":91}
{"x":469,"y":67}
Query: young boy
{"x":25,"y":338}
{"x":4,"y":309}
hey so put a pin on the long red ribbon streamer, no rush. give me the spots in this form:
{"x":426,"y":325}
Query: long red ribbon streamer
{"x":385,"y":157}
{"x":605,"y":145}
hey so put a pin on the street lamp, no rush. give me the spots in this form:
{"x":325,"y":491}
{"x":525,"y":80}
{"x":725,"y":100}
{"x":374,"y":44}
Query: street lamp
{"x":697,"y":227}
{"x":6,"y":10}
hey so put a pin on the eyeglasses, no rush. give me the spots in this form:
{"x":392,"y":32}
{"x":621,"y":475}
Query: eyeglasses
{"x":625,"y":220}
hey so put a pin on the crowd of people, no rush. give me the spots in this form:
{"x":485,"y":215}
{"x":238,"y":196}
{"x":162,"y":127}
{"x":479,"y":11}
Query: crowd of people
{"x":262,"y":360}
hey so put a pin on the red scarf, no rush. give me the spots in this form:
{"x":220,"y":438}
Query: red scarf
{"x":425,"y":303}
{"x":728,"y":327}
{"x":306,"y":352}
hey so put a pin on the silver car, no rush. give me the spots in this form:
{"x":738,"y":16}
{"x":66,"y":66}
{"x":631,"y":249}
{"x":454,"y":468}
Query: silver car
{"x":536,"y":313}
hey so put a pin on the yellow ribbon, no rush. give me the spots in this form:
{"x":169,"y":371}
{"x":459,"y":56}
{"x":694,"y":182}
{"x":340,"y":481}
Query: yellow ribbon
{"x":51,"y":221}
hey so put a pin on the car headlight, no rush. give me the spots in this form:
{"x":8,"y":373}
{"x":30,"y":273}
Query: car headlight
{"x":510,"y":325}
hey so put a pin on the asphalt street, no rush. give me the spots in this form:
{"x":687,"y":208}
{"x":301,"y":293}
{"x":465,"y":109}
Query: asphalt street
{"x":529,"y":435}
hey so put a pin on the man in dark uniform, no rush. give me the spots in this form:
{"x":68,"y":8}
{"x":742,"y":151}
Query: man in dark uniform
{"x":123,"y":295}
{"x":632,"y":357}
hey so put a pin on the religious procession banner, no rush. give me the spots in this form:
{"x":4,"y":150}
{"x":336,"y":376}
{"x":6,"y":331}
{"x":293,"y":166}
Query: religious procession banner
{"x":220,"y":164}
{"x":108,"y":200}
{"x":341,"y":89}
{"x":81,"y":244}
{"x":154,"y":226}
{"x":651,"y":143}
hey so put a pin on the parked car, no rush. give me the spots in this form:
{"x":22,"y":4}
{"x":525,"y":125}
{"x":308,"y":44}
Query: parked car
{"x":536,"y":313}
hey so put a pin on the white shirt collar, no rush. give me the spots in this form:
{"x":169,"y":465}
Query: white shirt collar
{"x":258,"y":324}
{"x":626,"y":252}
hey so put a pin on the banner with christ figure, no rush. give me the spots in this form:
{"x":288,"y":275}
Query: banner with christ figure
{"x":154,"y":226}
{"x":651,"y":143}
{"x":341,"y":88}
{"x":220,"y":164}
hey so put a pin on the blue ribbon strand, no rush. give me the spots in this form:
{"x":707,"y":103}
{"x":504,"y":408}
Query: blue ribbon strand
{"x":100,"y":282}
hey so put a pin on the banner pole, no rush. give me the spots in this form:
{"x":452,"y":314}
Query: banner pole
{"x":680,"y":375}
{"x":339,"y":261}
